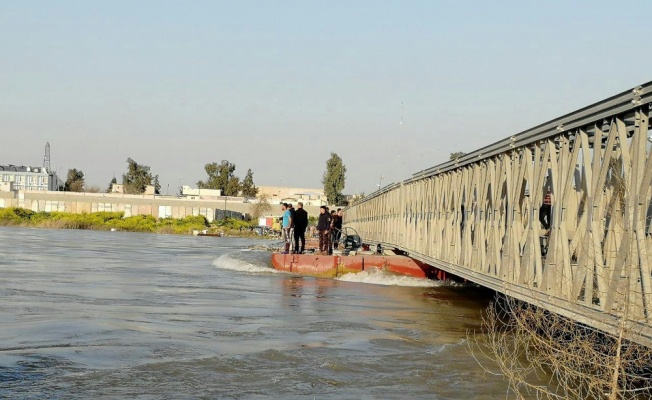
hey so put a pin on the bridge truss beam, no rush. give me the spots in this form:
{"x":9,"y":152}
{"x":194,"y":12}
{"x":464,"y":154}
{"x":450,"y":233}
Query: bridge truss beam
{"x":480,"y":217}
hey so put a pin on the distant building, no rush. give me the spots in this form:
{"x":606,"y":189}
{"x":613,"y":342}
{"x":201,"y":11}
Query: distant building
{"x":117,"y":188}
{"x":15,"y":177}
{"x":309,"y":197}
{"x":196,"y":194}
{"x":348,"y":199}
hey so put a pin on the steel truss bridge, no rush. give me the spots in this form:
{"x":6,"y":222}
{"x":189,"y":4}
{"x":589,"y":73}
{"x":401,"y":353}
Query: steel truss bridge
{"x":478,"y":216}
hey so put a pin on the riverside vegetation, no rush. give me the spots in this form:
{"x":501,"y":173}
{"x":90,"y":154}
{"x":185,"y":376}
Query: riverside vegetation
{"x":15,"y":216}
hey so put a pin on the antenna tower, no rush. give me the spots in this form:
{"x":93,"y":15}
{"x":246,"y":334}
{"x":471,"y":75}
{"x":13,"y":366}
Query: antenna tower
{"x":46,"y":158}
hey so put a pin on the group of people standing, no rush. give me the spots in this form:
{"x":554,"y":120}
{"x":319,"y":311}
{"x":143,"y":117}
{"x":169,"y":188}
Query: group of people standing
{"x":329,"y":228}
{"x":295,"y":223}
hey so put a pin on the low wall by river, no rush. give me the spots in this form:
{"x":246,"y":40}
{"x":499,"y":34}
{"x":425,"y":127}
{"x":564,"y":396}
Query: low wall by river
{"x":154,"y":205}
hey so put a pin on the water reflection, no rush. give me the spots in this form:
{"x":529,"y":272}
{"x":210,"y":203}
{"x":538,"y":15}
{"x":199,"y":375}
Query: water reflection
{"x":306,"y":293}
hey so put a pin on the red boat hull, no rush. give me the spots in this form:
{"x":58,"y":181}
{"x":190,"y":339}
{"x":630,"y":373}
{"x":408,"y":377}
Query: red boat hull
{"x":335,"y":265}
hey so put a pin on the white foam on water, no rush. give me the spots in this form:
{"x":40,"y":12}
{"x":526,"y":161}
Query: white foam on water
{"x":372,"y":276}
{"x":228,"y":262}
{"x":376,"y":276}
{"x":439,"y":348}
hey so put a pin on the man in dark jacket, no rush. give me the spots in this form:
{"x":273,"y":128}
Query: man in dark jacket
{"x":331,"y":238}
{"x":300,"y":220}
{"x":323,"y":227}
{"x":337,"y":228}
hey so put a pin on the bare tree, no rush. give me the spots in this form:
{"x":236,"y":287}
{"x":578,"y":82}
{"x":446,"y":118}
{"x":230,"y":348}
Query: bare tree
{"x":549,"y":356}
{"x":261,"y":206}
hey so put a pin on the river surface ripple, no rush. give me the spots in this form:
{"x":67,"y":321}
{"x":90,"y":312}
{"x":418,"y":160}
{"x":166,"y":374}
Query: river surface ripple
{"x":142,"y":316}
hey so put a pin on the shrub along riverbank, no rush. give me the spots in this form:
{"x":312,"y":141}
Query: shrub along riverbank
{"x":117,"y":221}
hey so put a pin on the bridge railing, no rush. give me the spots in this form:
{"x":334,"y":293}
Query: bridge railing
{"x":482,"y":216}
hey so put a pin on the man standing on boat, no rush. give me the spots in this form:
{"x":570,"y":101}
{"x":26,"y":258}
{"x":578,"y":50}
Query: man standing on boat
{"x":291,"y":209}
{"x":337,"y":228}
{"x":323,"y":227}
{"x":332,"y":232}
{"x":286,"y":224}
{"x":300,"y":220}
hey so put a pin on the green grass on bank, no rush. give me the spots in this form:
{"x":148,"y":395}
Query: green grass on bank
{"x":116,"y":220}
{"x":101,"y":221}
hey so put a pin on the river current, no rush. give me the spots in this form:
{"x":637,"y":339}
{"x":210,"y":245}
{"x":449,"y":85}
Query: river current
{"x":118,"y":315}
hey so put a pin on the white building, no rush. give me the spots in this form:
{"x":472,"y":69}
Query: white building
{"x":28,"y":178}
{"x":309,"y":197}
{"x":191,"y":193}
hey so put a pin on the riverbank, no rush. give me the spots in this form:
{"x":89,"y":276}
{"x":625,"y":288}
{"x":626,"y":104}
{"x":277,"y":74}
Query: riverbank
{"x":107,"y":221}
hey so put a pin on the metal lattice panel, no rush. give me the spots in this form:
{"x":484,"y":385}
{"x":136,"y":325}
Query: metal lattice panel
{"x":479,"y":216}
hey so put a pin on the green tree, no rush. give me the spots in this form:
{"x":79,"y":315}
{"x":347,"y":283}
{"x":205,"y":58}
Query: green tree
{"x":138,"y":177}
{"x":334,"y":179}
{"x":456,"y":155}
{"x":233,"y":187}
{"x":114,"y":180}
{"x":219,"y":176}
{"x":74,"y":181}
{"x":157,"y":185}
{"x":248,"y":187}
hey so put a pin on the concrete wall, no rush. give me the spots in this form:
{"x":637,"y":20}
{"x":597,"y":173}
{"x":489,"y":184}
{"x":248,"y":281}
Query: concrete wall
{"x":157,"y":206}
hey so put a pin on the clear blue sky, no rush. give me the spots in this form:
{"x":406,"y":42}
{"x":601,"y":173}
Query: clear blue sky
{"x":276,"y":86}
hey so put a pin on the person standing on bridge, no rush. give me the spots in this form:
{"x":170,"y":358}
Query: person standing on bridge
{"x":300,"y":220}
{"x":545,"y":212}
{"x":323,"y":227}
